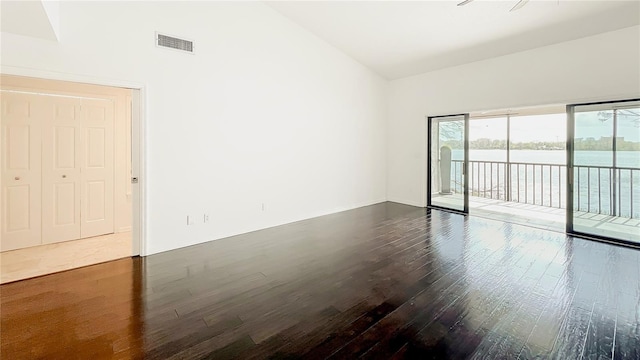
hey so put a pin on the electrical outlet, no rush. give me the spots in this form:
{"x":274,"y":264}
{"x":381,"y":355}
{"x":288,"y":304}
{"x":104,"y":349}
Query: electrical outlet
{"x":190,"y":220}
{"x":206,"y":218}
{"x":263,"y":207}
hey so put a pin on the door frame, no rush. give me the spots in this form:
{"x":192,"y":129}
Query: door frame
{"x":570,"y":174}
{"x":465,"y":164}
{"x":138,"y":141}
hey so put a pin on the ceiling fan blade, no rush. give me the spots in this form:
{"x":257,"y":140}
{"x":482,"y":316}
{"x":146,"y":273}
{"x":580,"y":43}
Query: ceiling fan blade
{"x":465,"y":2}
{"x":519,"y":5}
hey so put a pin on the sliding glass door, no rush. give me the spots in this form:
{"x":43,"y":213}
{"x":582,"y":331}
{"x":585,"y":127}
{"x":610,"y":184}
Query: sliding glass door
{"x":603,"y":156}
{"x":448,"y":162}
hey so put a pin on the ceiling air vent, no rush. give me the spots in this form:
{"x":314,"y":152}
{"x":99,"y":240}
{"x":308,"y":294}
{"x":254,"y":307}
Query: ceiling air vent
{"x":174,"y":43}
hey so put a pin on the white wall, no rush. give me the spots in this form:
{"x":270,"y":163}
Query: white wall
{"x":601,"y":67}
{"x":264,"y":112}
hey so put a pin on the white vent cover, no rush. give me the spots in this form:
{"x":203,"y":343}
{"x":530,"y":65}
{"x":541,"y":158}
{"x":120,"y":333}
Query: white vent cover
{"x":174,"y":43}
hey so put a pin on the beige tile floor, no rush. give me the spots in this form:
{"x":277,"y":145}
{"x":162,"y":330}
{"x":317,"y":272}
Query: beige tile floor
{"x":46,"y":259}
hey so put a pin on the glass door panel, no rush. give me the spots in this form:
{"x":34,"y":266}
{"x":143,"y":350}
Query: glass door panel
{"x":538,"y":154}
{"x":448,"y":153}
{"x":488,"y":158}
{"x":604,"y":157}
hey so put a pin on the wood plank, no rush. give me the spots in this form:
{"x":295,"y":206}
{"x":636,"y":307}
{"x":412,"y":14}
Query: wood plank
{"x":387,"y":281}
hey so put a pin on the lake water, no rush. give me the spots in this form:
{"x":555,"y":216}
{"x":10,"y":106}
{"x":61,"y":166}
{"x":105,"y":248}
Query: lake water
{"x":546,"y":185}
{"x":589,"y":158}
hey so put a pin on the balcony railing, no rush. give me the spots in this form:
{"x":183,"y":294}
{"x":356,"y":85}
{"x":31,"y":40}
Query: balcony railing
{"x":597,"y":189}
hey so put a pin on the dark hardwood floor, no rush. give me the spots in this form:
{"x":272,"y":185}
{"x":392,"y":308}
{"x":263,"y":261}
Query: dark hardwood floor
{"x":386,"y":281}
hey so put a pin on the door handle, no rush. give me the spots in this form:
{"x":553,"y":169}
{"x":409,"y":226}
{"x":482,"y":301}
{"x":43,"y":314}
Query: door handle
{"x":64,"y":176}
{"x":17,"y":178}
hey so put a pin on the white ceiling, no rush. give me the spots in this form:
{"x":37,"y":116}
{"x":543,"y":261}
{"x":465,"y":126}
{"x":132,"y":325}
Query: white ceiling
{"x":33,"y":18}
{"x":398,"y":39}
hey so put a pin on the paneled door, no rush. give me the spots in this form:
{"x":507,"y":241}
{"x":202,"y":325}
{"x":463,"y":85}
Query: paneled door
{"x":59,"y":162}
{"x":21,"y":171}
{"x":76,"y":169}
{"x":61,"y":169}
{"x":97,"y":178}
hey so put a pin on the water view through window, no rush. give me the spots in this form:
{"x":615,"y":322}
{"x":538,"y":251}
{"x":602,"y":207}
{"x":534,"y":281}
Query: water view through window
{"x":533,"y":168}
{"x":518,"y":168}
{"x":606,"y":153}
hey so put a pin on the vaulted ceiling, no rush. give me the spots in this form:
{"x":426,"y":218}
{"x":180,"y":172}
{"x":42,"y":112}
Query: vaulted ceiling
{"x":398,"y":39}
{"x":403,"y":38}
{"x":35,"y":18}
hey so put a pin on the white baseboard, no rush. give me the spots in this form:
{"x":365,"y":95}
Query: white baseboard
{"x":285,"y":222}
{"x":406,"y":202}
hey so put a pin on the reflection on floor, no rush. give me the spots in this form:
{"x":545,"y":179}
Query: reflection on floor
{"x":387,"y":281}
{"x":604,"y":225}
{"x":46,"y":259}
{"x":548,"y":218}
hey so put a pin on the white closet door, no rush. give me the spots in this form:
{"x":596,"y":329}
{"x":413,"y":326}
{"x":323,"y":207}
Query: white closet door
{"x":61,"y":157}
{"x":21,"y":174}
{"x":97,"y":180}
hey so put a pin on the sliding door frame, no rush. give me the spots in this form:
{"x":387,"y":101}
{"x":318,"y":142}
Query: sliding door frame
{"x":465,"y":164}
{"x":570,"y":173}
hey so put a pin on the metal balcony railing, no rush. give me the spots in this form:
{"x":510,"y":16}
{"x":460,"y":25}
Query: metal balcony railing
{"x":597,"y":189}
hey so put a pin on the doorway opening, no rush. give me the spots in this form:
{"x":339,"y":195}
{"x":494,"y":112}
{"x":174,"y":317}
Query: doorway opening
{"x":68,"y":160}
{"x":518,"y":168}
